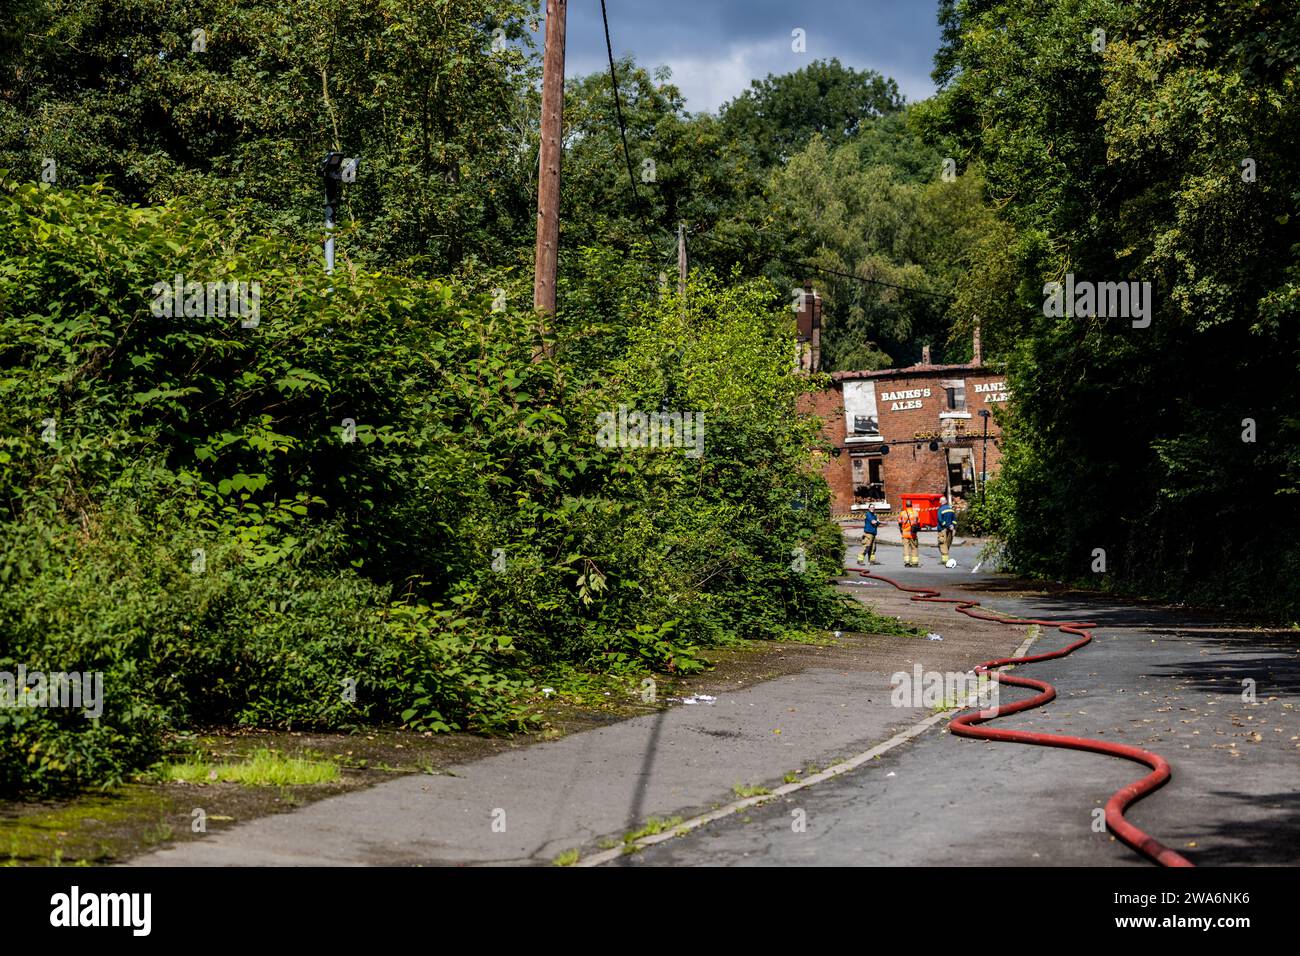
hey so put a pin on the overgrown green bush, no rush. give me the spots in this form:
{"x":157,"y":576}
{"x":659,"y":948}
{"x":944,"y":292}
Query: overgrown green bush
{"x":373,"y":504}
{"x":989,"y":514}
{"x":1167,"y":440}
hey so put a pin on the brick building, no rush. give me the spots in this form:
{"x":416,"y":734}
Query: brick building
{"x":919,"y":429}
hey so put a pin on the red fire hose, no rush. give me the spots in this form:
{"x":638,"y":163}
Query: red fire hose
{"x":968,"y":725}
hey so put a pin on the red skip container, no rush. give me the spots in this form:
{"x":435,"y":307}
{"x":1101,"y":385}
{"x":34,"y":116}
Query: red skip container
{"x":928,"y":506}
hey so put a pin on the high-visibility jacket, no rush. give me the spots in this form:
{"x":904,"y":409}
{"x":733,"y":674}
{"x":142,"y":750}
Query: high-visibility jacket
{"x":909,"y":522}
{"x":947,"y":517}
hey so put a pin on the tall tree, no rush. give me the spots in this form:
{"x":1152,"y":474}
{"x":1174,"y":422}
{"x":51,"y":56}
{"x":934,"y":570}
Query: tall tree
{"x":777,"y":116}
{"x":1145,"y":142}
{"x":236,"y":102}
{"x":683,"y":165}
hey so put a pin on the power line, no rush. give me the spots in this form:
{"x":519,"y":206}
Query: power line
{"x":808,"y":267}
{"x":618,"y":112}
{"x":636,"y":195}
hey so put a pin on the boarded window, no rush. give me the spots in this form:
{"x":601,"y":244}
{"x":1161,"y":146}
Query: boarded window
{"x":955,"y":391}
{"x":868,"y":486}
{"x":860,"y":408}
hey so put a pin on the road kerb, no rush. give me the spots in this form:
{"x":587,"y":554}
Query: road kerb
{"x":902,"y":737}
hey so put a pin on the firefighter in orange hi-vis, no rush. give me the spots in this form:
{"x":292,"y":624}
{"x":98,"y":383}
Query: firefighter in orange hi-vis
{"x":909,"y":523}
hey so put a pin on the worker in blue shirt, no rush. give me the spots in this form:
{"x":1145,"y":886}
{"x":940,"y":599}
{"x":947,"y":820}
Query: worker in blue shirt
{"x":947,"y":521}
{"x":870,"y":525}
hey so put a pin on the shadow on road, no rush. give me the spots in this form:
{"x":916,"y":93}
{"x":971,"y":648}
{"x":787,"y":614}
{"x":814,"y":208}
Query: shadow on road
{"x":634,"y":814}
{"x":1273,"y":840}
{"x":1270,"y":660}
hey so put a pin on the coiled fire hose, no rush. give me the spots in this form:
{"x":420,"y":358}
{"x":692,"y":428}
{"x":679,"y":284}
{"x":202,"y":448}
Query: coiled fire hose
{"x":969,"y":724}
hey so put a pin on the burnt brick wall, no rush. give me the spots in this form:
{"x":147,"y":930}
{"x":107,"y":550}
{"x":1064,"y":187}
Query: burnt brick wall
{"x":908,"y":414}
{"x":828,"y":405}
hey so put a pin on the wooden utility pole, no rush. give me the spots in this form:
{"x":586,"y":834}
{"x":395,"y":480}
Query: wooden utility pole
{"x":548,"y":178}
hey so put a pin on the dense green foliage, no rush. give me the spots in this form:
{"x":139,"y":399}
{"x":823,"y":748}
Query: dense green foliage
{"x":991,"y":513}
{"x":1130,"y":163}
{"x":855,"y":211}
{"x":384,"y":502}
{"x":439,"y":105}
{"x":118,"y":88}
{"x":777,"y":116}
{"x":375,"y":485}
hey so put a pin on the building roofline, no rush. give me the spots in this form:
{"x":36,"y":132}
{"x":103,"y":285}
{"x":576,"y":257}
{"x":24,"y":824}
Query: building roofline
{"x":910,"y":370}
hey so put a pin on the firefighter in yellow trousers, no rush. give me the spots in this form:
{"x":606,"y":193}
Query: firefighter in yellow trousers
{"x":870,"y":525}
{"x":947,"y":521}
{"x":909,"y":523}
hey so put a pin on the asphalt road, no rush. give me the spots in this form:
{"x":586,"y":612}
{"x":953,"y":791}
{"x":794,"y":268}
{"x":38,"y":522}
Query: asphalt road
{"x":1169,"y":682}
{"x":585,"y":791}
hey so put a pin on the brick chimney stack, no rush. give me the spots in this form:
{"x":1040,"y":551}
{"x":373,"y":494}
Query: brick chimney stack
{"x":978,"y":357}
{"x":925,"y":355}
{"x":808,"y":322}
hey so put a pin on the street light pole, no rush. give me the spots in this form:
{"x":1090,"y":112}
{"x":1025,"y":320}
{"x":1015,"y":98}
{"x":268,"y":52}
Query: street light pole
{"x":984,"y":465}
{"x":334,"y":170}
{"x":329,"y":238}
{"x":681,"y":260}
